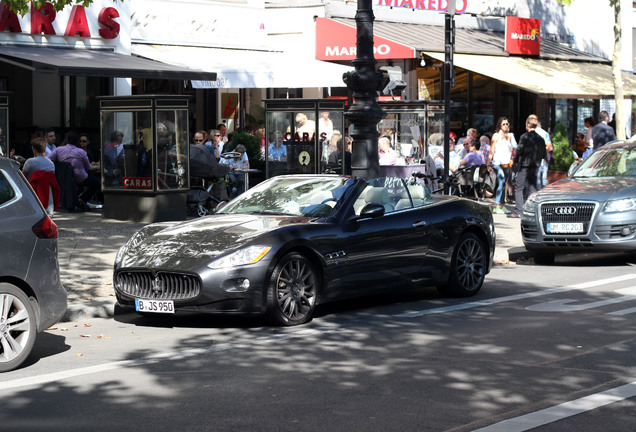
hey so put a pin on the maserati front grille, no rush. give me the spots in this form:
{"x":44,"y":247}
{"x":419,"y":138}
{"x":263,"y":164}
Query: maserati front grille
{"x":145,"y":284}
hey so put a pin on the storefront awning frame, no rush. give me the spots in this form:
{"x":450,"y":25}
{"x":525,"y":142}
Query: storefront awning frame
{"x":249,"y":68}
{"x":97,"y":63}
{"x":547,"y":78}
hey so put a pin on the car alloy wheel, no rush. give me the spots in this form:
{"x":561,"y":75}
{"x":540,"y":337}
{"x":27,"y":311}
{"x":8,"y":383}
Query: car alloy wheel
{"x":468,"y":267}
{"x":291,"y":298}
{"x":17,"y":327}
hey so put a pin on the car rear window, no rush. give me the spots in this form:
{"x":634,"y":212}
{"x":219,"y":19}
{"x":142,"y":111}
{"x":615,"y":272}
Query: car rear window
{"x":7,"y":193}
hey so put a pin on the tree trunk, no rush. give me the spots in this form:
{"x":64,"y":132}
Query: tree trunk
{"x":616,"y":72}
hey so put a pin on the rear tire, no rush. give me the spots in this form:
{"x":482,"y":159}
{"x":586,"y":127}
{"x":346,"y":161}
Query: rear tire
{"x":543,"y":258}
{"x":468,"y":267}
{"x":17,"y":327}
{"x":292,"y":291}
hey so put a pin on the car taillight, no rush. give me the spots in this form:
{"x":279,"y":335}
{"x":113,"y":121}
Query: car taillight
{"x":45,"y":228}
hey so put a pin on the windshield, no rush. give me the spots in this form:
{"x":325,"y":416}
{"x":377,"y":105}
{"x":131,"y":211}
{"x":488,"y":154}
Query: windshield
{"x":295,"y":196}
{"x":611,"y":162}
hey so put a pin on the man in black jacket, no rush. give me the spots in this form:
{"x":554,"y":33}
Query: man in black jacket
{"x":602,"y":133}
{"x":530,"y":152}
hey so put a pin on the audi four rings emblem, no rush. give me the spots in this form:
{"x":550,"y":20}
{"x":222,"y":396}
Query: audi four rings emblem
{"x":565,"y":210}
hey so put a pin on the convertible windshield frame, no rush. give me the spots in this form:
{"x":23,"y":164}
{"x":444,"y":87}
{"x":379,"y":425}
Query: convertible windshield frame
{"x":293,"y":196}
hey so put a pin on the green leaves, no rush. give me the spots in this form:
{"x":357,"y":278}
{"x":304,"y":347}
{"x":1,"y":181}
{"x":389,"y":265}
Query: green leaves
{"x":21,"y":7}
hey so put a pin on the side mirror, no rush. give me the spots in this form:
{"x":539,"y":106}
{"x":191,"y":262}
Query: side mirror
{"x":372,"y":210}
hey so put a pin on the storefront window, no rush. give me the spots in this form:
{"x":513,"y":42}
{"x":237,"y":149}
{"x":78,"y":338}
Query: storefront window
{"x":459,"y":103}
{"x":429,"y":85}
{"x":585,"y":108}
{"x":483,"y":115}
{"x":564,"y":113}
{"x":85,"y":106}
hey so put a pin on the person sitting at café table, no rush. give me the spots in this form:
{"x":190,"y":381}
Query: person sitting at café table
{"x":238,"y":162}
{"x":473,"y":157}
{"x":88,"y":183}
{"x":277,"y":150}
{"x":386,"y":154}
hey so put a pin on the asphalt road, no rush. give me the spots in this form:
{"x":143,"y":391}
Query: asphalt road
{"x":550,"y":348}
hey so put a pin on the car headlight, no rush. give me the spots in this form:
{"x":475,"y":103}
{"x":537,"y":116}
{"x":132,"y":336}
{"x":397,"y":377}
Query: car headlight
{"x":529,"y":206}
{"x":132,"y":243}
{"x":620,"y":205}
{"x":248,"y":255}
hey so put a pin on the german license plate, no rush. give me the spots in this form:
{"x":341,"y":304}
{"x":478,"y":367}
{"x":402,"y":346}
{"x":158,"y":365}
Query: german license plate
{"x":565,"y":227}
{"x":155,"y":306}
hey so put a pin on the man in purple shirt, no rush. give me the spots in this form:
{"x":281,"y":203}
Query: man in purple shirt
{"x":473,"y":157}
{"x":88,"y":185}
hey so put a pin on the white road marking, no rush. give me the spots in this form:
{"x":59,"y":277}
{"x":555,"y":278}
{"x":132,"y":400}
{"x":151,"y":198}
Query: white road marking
{"x":176,"y":355}
{"x":623,"y":312}
{"x":488,"y":302}
{"x":564,"y":410}
{"x":628,"y":294}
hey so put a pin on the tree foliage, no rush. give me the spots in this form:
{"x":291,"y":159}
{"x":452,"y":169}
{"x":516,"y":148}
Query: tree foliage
{"x":616,"y":66}
{"x":21,"y":7}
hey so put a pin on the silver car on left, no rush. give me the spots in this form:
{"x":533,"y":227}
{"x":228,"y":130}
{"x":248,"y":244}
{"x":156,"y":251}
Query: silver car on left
{"x":32,"y":297}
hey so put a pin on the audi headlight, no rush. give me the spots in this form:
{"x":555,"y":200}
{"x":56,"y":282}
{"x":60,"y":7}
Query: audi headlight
{"x":621,"y":205}
{"x":248,"y":255}
{"x":529,"y":206}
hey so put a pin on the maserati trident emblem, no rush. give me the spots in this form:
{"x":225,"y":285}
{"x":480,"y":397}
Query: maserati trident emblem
{"x":565,"y":210}
{"x":157,"y":285}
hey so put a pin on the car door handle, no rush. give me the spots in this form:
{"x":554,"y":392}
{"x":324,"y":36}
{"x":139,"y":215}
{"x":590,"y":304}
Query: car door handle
{"x":419,"y":224}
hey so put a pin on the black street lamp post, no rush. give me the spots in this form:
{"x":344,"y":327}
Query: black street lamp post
{"x":364,"y":82}
{"x":449,"y":82}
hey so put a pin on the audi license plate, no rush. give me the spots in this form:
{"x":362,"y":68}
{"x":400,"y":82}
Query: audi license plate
{"x":565,"y":227}
{"x":156,"y":306}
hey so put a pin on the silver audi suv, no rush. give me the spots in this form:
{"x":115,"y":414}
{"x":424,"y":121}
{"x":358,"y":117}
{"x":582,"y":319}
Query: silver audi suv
{"x":32,"y":297}
{"x":593,"y":209}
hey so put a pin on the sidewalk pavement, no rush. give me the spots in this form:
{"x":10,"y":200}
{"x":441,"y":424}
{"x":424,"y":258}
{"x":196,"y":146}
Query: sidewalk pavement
{"x":88,"y":244}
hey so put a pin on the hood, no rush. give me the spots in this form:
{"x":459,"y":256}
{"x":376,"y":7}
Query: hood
{"x":172,"y":244}
{"x":595,"y":189}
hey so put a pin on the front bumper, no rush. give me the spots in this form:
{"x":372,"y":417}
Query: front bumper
{"x":604,"y":233}
{"x":240,"y":290}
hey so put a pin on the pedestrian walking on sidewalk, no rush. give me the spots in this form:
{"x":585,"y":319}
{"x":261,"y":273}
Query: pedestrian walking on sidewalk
{"x":530,"y":152}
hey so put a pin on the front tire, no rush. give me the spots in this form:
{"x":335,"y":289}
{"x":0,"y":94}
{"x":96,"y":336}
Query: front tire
{"x":468,"y":267}
{"x":17,"y":327}
{"x":292,"y":292}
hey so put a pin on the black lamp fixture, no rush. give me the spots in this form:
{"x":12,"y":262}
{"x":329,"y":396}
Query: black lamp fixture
{"x":393,"y":83}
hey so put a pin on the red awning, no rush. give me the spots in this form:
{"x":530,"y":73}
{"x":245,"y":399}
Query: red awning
{"x":337,"y":41}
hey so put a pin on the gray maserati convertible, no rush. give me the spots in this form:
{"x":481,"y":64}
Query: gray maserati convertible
{"x":594,"y":209}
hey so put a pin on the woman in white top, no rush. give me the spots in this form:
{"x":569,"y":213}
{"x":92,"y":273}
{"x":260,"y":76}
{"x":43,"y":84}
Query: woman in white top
{"x":500,"y":158}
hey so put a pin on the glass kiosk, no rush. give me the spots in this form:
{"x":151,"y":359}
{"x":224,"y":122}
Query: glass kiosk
{"x":144,"y":165}
{"x":307,"y":135}
{"x":4,"y":124}
{"x":301,"y":134}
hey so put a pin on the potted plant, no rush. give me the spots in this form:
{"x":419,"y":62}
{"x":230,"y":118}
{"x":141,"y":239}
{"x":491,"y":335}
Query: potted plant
{"x":562,"y":156}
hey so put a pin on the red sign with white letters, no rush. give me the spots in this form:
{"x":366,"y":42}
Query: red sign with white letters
{"x":337,"y":41}
{"x":523,"y":36}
